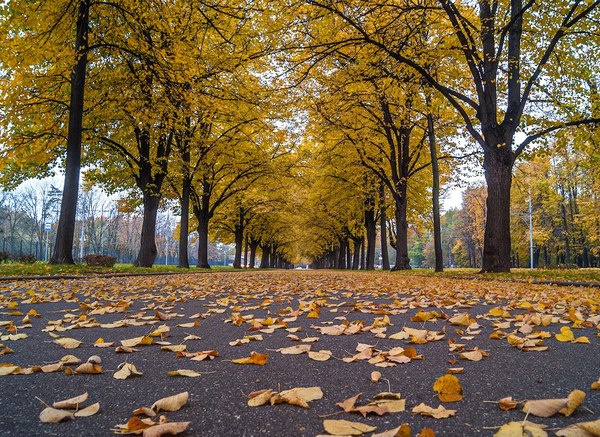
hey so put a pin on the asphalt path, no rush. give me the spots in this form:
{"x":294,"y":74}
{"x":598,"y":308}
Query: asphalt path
{"x":218,"y":398}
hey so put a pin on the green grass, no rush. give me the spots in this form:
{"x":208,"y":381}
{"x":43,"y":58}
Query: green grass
{"x":559,"y":275}
{"x":42,"y":268}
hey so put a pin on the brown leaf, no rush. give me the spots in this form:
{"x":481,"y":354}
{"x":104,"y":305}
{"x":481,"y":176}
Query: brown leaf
{"x":127,"y":370}
{"x":261,"y":397}
{"x":322,"y":355}
{"x":295,"y":350}
{"x":171,"y":403}
{"x":169,"y":428}
{"x":402,"y":431}
{"x":71,"y":402}
{"x":137,"y":341}
{"x":375,"y":376}
{"x":545,"y":407}
{"x":348,"y":404}
{"x":437,"y":413}
{"x":345,"y":427}
{"x":507,"y":403}
{"x":185,"y":372}
{"x":67,"y":343}
{"x":145,"y":411}
{"x":521,"y":429}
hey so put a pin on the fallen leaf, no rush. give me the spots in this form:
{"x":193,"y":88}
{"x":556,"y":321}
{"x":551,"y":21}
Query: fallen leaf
{"x":137,"y":341}
{"x":67,"y":343}
{"x":581,"y":429}
{"x":448,"y":388}
{"x":174,"y":348}
{"x":171,"y":403}
{"x":89,"y":369}
{"x":88,"y":411}
{"x":261,"y":397}
{"x":575,"y":399}
{"x":437,"y":413}
{"x":322,"y":355}
{"x":145,"y":411}
{"x":185,"y":372}
{"x":507,"y":403}
{"x":475,"y":355}
{"x":596,"y":385}
{"x":295,"y":350}
{"x":375,"y":376}
{"x":254,"y":358}
{"x":521,"y":429}
{"x":544,"y":407}
{"x":346,"y":427}
{"x":72,"y":403}
{"x":53,"y":415}
{"x":402,"y":431}
{"x":127,"y":370}
{"x":565,"y":334}
{"x":169,"y":428}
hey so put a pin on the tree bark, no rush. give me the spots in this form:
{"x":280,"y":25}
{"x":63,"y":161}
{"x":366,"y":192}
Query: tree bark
{"x":435,"y":194}
{"x":239,"y":240}
{"x":385,"y":257}
{"x":147,"y":253}
{"x":184,"y":224}
{"x":63,"y":248}
{"x":371,"y":228}
{"x":496,"y":241}
{"x":202,"y":241}
{"x":402,"y":259}
{"x":253,"y":246}
{"x":266,"y":254}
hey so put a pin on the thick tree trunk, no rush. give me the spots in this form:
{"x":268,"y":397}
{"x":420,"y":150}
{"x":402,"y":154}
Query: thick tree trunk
{"x":202,"y":241}
{"x":266,"y":254}
{"x":402,"y":259}
{"x":496,"y":240}
{"x":253,"y":247}
{"x":342,"y":253}
{"x":362,"y":253}
{"x":371,"y":228}
{"x":184,"y":225}
{"x":356,"y":253}
{"x":147,"y":253}
{"x":385,"y":257}
{"x":63,"y":249}
{"x":435,"y":194}
{"x":239,"y":246}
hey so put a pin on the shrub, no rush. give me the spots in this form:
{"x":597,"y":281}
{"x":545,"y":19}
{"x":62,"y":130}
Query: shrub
{"x":25,"y":259}
{"x":4,"y":256}
{"x":99,"y":260}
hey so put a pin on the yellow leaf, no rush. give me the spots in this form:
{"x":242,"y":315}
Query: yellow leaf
{"x":437,"y":413}
{"x":322,"y":355}
{"x":521,"y":429}
{"x":254,"y":358}
{"x":448,"y":388}
{"x":53,"y":415}
{"x":565,"y":334}
{"x":88,"y":411}
{"x":72,"y":402}
{"x":544,"y":407}
{"x":575,"y":399}
{"x":127,"y":370}
{"x":185,"y":372}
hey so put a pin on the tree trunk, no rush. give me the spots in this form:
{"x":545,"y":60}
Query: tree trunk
{"x":402,"y":259}
{"x":496,"y":241}
{"x":356,"y":255}
{"x":147,"y":253}
{"x":246,"y":245}
{"x":184,"y":225}
{"x":435,"y":194}
{"x":266,"y":254}
{"x":385,"y":257}
{"x":239,"y":242}
{"x":371,"y":228}
{"x":202,"y":240}
{"x":253,"y":247}
{"x":342,"y":253}
{"x":362,"y":253}
{"x":63,"y":249}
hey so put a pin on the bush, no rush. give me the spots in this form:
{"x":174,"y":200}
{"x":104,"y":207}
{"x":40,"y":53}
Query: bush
{"x":25,"y":259}
{"x":99,"y":260}
{"x":4,"y":256}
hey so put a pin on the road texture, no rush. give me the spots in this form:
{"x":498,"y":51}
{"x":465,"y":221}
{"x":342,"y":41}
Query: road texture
{"x":87,"y":308}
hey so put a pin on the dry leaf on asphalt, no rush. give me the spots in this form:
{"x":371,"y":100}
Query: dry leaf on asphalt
{"x":544,"y":407}
{"x":403,"y":430}
{"x":169,"y":428}
{"x":67,"y":343}
{"x":375,"y":376}
{"x":260,"y":397}
{"x":581,"y":429}
{"x":54,"y":415}
{"x":184,"y":372}
{"x":437,"y":413}
{"x":127,"y":370}
{"x":73,"y":402}
{"x":89,"y":369}
{"x":171,"y":403}
{"x":88,"y":411}
{"x":346,"y":427}
{"x":254,"y":358}
{"x":295,"y":350}
{"x":575,"y":399}
{"x":521,"y":429}
{"x":507,"y":403}
{"x":448,"y":388}
{"x":322,"y":355}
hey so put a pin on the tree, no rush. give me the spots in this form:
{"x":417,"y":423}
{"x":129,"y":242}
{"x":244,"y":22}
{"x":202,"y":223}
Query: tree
{"x":506,"y":70}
